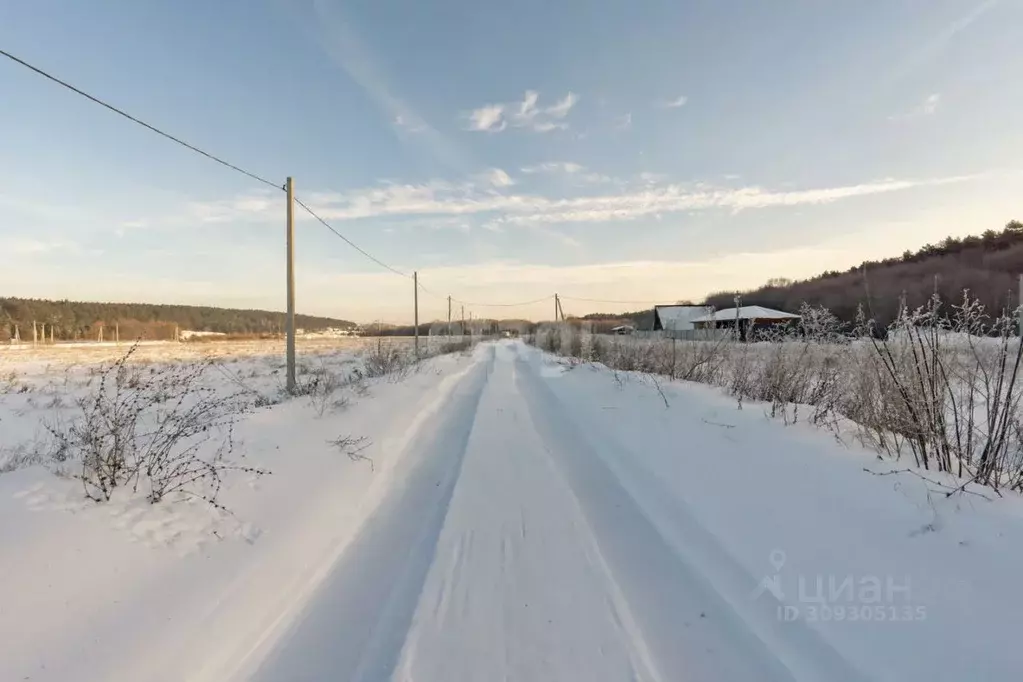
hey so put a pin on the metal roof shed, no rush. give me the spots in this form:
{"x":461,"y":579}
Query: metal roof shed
{"x":677,"y":317}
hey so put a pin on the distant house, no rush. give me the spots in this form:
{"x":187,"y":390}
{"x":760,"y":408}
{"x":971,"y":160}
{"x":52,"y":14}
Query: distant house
{"x":623,"y":329}
{"x":678,"y":318}
{"x":747,"y":318}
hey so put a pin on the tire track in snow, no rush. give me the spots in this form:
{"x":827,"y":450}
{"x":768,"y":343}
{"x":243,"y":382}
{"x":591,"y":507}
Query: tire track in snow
{"x":691,"y":631}
{"x":357,"y":623}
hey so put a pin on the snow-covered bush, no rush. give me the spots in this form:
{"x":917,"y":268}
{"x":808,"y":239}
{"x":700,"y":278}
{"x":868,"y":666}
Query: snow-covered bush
{"x":160,"y":432}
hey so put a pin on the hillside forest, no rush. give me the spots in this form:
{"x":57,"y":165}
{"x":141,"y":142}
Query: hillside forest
{"x":76,"y":320}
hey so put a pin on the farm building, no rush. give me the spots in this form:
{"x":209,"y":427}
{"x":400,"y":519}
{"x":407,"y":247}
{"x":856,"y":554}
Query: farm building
{"x":678,"y":317}
{"x":623,"y":329}
{"x":749,"y":317}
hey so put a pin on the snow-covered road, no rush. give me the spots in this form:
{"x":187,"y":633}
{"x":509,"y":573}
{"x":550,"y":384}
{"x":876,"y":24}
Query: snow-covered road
{"x":524,"y":520}
{"x":518,"y":547}
{"x":509,"y":554}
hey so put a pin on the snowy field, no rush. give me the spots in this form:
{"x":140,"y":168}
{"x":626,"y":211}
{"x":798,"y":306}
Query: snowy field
{"x":507,"y":516}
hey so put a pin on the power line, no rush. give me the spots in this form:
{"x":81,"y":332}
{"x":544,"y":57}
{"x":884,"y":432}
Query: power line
{"x":270,"y":183}
{"x":503,"y":305}
{"x":138,"y":121}
{"x":600,"y":300}
{"x":349,"y":241}
{"x":485,"y":305}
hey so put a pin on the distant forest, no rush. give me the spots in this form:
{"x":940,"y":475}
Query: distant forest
{"x":71,"y":320}
{"x":988,"y":265}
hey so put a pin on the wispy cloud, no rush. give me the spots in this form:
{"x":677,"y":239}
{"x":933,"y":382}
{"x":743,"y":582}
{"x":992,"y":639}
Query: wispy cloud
{"x":510,"y":209}
{"x":563,"y":106}
{"x":575,"y":172}
{"x":925,"y":108}
{"x":344,"y":46}
{"x":624,"y":122}
{"x":495,"y":177}
{"x":494,"y":118}
{"x":24,"y":246}
{"x":568,"y":167}
{"x":937,"y":44}
{"x":676,"y":103}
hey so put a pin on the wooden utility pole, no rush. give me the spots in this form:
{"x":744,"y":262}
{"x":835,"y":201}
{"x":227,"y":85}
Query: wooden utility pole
{"x":557,"y":307}
{"x":462,"y":330}
{"x":117,"y":332}
{"x":415,"y":285}
{"x":35,"y":333}
{"x":449,"y":316}
{"x":290,"y":343}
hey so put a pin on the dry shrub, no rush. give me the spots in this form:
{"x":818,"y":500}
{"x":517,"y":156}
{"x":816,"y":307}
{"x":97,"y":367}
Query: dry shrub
{"x":940,"y":384}
{"x":163,"y":432}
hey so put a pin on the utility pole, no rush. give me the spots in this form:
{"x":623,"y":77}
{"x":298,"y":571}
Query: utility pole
{"x":462,"y":329}
{"x":449,"y":316}
{"x":290,"y":343}
{"x":415,"y":285}
{"x":557,"y":307}
{"x":35,"y":333}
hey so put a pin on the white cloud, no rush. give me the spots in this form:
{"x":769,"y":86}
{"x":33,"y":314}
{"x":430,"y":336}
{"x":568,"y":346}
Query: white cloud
{"x":488,"y":118}
{"x":495,"y":177}
{"x":928,"y":107}
{"x":441,"y":198}
{"x":24,"y":246}
{"x":624,"y":122}
{"x":679,"y":101}
{"x":525,"y":114}
{"x":563,"y":106}
{"x":548,"y":126}
{"x":554,"y":167}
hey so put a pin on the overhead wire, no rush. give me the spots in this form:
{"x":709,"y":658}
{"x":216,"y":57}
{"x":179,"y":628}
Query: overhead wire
{"x":601,"y":300}
{"x":270,"y":183}
{"x":348,"y":241}
{"x":139,"y":121}
{"x":484,"y":304}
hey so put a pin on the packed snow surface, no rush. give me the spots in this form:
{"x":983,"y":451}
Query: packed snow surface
{"x":522,"y":519}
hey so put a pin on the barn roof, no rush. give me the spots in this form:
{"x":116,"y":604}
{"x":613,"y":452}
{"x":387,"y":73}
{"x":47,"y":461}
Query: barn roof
{"x":746,"y":312}
{"x":671,"y":316}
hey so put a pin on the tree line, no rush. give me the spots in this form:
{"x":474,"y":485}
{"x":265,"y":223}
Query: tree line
{"x":70,"y":320}
{"x":988,"y":265}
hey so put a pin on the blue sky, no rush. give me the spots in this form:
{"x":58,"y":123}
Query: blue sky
{"x":614,"y":149}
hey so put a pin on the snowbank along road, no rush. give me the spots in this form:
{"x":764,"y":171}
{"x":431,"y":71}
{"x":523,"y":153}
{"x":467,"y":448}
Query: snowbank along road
{"x":528,"y":520}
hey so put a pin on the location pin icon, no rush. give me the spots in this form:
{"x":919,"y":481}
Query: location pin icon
{"x":777,"y":559}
